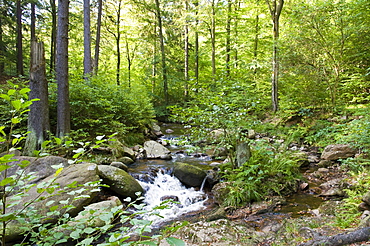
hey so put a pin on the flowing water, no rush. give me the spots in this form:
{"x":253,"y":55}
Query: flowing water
{"x":159,"y":185}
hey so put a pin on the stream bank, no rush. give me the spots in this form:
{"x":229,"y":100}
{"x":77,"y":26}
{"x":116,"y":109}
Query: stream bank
{"x":287,"y":221}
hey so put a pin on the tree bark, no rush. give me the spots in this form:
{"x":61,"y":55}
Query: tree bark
{"x":61,"y":69}
{"x":19,"y":46}
{"x":118,"y":40}
{"x":33,"y":22}
{"x":97,"y":39}
{"x":341,"y":239}
{"x":228,"y":38}
{"x":2,"y":46}
{"x":213,"y":39}
{"x":163,"y":53}
{"x":87,"y":41}
{"x":275,"y":11}
{"x":38,"y":116}
{"x":186,"y":52}
{"x":196,"y":67}
{"x":53,"y":38}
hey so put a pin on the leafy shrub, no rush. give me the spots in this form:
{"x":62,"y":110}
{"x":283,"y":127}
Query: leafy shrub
{"x":98,"y":109}
{"x":266,"y":173}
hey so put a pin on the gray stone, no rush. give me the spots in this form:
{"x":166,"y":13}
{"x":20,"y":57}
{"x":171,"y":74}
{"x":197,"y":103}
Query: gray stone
{"x":243,"y":153}
{"x":155,"y":150}
{"x":122,"y":183}
{"x":188,"y":174}
{"x":338,"y":151}
{"x":120,"y":165}
{"x":126,"y":160}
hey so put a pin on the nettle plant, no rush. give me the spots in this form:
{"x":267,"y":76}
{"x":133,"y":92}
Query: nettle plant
{"x":119,"y":223}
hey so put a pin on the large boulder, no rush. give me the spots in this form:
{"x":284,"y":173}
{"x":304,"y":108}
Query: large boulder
{"x":40,"y":167}
{"x":122,"y":183}
{"x":337,"y":151}
{"x":243,"y":153}
{"x":220,"y":192}
{"x":70,"y":195}
{"x":188,"y":174}
{"x":155,"y":150}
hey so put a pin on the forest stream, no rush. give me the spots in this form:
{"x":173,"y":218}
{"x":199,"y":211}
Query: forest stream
{"x":195,"y":204}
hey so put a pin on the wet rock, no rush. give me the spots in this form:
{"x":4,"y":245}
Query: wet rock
{"x":217,"y":214}
{"x":363,"y":206}
{"x":220,"y":153}
{"x":337,"y":151}
{"x":251,"y":134}
{"x":213,"y":176}
{"x":122,"y":183}
{"x":125,"y":160}
{"x":188,"y":174}
{"x":170,"y":197}
{"x":155,"y":150}
{"x":119,"y":165}
{"x":303,"y":186}
{"x":169,"y":131}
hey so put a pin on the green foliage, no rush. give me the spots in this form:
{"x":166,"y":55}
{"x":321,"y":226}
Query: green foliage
{"x":33,"y":224}
{"x":267,"y":172}
{"x":98,"y":108}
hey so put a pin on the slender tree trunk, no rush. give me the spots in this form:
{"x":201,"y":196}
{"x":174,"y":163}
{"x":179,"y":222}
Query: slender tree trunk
{"x":97,"y":39}
{"x":275,"y":10}
{"x":213,"y":39}
{"x":256,"y":39}
{"x":154,"y":63}
{"x":128,"y":57}
{"x":20,"y":69}
{"x":38,"y":117}
{"x":61,"y":69}
{"x":163,"y":53}
{"x":196,"y":67}
{"x":87,"y":41}
{"x":33,"y":22}
{"x":118,"y":40}
{"x":2,"y":46}
{"x":228,"y":38}
{"x":53,"y":38}
{"x":236,"y":34}
{"x":186,"y":52}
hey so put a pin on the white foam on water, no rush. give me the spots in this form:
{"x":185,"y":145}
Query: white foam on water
{"x":165,"y":185}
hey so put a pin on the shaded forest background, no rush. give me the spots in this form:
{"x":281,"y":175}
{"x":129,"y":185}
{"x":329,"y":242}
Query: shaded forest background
{"x":145,"y":57}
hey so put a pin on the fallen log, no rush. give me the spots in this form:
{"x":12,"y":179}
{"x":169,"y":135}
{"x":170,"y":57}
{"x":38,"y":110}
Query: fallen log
{"x":359,"y":235}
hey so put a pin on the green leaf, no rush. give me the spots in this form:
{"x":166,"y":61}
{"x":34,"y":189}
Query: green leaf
{"x":24,"y":164}
{"x":17,"y":104}
{"x":175,"y":241}
{"x":4,"y":167}
{"x":15,"y":120}
{"x":24,"y":91}
{"x":88,"y":230}
{"x":6,"y":181}
{"x":58,"y":141}
{"x":86,"y":241}
{"x":76,"y":234}
{"x":4,"y":96}
{"x":148,"y":243}
{"x":11,"y":92}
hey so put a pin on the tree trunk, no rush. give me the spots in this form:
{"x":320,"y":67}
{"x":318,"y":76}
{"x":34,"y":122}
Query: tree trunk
{"x":360,"y":235}
{"x":53,"y":38}
{"x":256,"y":39}
{"x":97,"y":39}
{"x":213,"y":39}
{"x":38,"y":116}
{"x":118,"y":40}
{"x":186,"y":52}
{"x":163,"y":53}
{"x":20,"y":70}
{"x":129,"y":61}
{"x":33,"y":22}
{"x":61,"y":69}
{"x":275,"y":11}
{"x":196,"y":67}
{"x":87,"y":41}
{"x":228,"y":39}
{"x":2,"y":46}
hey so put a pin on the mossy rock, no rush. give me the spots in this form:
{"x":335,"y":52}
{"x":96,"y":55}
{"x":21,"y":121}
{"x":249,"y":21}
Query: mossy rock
{"x":188,"y":174}
{"x":122,"y":183}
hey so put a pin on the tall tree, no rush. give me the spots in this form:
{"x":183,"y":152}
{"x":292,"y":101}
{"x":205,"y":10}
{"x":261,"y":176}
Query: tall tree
{"x":213,"y":37}
{"x":33,"y":21}
{"x":87,"y":41}
{"x":38,"y":117}
{"x":186,"y":51}
{"x":20,"y":68}
{"x":228,"y":38}
{"x":163,"y":52}
{"x":53,"y":37}
{"x":97,"y":38}
{"x":2,"y":45}
{"x":61,"y":69}
{"x":196,"y":51}
{"x":275,"y":7}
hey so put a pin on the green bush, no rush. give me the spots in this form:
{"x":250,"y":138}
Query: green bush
{"x":98,"y":109}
